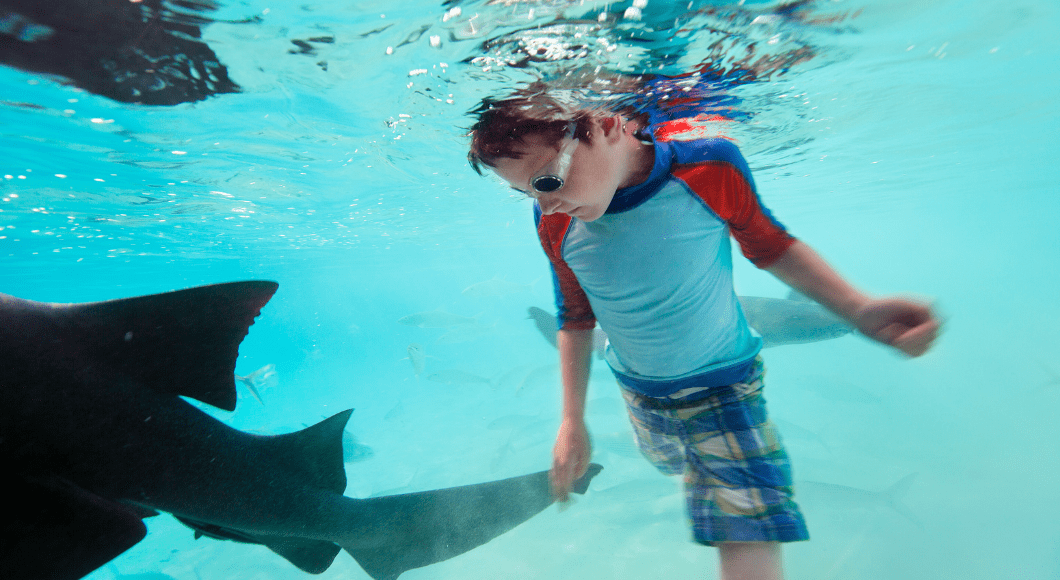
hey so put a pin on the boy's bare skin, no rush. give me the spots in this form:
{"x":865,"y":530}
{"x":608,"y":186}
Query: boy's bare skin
{"x":613,"y":159}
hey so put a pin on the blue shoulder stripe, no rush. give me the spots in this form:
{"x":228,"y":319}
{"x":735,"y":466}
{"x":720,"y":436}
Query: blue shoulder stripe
{"x":716,"y":149}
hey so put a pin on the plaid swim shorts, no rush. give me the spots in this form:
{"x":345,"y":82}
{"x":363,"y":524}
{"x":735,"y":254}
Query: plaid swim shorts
{"x":738,"y":482}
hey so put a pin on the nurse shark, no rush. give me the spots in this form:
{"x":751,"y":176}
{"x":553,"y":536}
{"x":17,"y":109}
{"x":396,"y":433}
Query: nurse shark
{"x":791,"y":320}
{"x":94,"y":436}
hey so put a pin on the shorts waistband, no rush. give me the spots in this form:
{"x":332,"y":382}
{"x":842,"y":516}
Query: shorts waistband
{"x":659,"y":388}
{"x":697,"y":396}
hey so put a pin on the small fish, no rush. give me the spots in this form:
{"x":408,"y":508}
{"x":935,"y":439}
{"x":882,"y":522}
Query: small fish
{"x":542,"y":376}
{"x":1052,"y":380}
{"x":511,"y":377}
{"x":793,"y":433}
{"x":353,"y":450}
{"x":396,"y":412}
{"x":854,"y":498}
{"x":139,"y":576}
{"x":495,"y":288}
{"x":548,"y":327}
{"x":642,"y":490}
{"x":511,"y":422}
{"x":838,"y":389}
{"x":621,"y":443}
{"x":435,"y":319}
{"x":465,"y":333}
{"x":456,"y":377}
{"x":418,"y":358}
{"x":259,"y":380}
{"x":523,"y":437}
{"x":546,"y":323}
{"x":606,"y":406}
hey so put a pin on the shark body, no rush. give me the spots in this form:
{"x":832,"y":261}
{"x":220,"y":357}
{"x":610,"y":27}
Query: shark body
{"x":780,"y":321}
{"x":95,"y":436}
{"x":792,"y":320}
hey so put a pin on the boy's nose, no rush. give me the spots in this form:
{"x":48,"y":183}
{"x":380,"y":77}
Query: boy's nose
{"x":548,"y":204}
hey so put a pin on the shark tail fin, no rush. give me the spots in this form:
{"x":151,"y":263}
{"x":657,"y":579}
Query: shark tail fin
{"x":429,"y":527}
{"x":315,"y":452}
{"x":181,"y":343}
{"x":893,"y":497}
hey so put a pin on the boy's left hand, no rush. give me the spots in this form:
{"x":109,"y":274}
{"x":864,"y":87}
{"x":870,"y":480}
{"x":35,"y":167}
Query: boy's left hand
{"x":908,"y":326}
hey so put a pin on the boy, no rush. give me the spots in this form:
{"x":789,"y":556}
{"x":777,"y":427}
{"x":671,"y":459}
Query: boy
{"x":636,"y":228}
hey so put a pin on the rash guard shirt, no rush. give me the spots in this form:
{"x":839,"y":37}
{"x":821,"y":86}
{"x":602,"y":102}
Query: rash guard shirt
{"x":656,"y":269}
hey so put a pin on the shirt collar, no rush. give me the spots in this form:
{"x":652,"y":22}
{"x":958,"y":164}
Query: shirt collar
{"x":627,"y":198}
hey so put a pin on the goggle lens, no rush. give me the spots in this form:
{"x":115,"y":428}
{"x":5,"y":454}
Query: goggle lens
{"x":547,"y":183}
{"x":552,"y":176}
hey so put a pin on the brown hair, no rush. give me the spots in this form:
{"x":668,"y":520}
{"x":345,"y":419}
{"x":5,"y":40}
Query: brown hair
{"x":545,"y":108}
{"x":502,"y":125}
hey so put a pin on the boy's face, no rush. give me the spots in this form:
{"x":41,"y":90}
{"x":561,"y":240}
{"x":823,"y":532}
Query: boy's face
{"x":590,"y":184}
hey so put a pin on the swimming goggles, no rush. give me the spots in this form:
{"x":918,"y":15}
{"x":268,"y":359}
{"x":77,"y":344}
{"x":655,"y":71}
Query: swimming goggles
{"x":552,"y":176}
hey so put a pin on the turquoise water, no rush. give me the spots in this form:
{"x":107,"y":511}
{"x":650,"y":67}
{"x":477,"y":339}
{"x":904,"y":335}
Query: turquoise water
{"x":918,"y":151}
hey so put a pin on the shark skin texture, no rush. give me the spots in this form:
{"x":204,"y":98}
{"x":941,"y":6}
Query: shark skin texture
{"x":94,"y":436}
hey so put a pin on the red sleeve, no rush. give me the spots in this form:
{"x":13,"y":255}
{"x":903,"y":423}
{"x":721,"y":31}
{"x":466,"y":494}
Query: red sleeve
{"x":725,"y":191}
{"x":574,"y":311}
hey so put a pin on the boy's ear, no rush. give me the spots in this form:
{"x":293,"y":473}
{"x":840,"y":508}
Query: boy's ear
{"x":611,"y":126}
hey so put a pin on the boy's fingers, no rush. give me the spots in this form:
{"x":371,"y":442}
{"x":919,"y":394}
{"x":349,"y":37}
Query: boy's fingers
{"x":908,"y":326}
{"x":918,"y":340}
{"x":561,"y":482}
{"x":563,"y":476}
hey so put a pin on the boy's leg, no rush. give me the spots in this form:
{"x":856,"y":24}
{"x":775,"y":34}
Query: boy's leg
{"x":738,"y":481}
{"x":750,"y":561}
{"x":661,"y":447}
{"x":737,"y":475}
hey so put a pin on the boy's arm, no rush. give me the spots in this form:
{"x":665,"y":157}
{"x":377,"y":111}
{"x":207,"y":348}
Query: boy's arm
{"x":908,"y":326}
{"x":570,"y":456}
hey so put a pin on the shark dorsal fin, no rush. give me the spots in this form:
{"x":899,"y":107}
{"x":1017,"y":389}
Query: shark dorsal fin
{"x":315,"y":451}
{"x":180,"y":343}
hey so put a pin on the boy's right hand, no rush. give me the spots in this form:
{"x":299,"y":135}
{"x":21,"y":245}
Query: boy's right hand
{"x":908,"y":326}
{"x":570,"y":457}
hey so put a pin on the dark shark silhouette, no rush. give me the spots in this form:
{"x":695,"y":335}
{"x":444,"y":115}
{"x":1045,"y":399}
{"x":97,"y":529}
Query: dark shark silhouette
{"x":143,"y":51}
{"x":780,"y":321}
{"x":94,"y":436}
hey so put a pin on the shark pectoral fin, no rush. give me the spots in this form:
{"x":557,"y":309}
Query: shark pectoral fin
{"x":68,"y":533}
{"x":181,"y":343}
{"x":402,"y":532}
{"x":141,"y":511}
{"x":312,"y":556}
{"x":216,"y":532}
{"x":582,"y":485}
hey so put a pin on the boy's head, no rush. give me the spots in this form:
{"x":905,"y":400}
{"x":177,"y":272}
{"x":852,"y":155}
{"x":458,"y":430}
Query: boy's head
{"x":572,"y":160}
{"x":504,"y":125}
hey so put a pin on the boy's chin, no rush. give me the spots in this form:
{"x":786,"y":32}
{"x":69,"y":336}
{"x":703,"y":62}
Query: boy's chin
{"x":585,"y":214}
